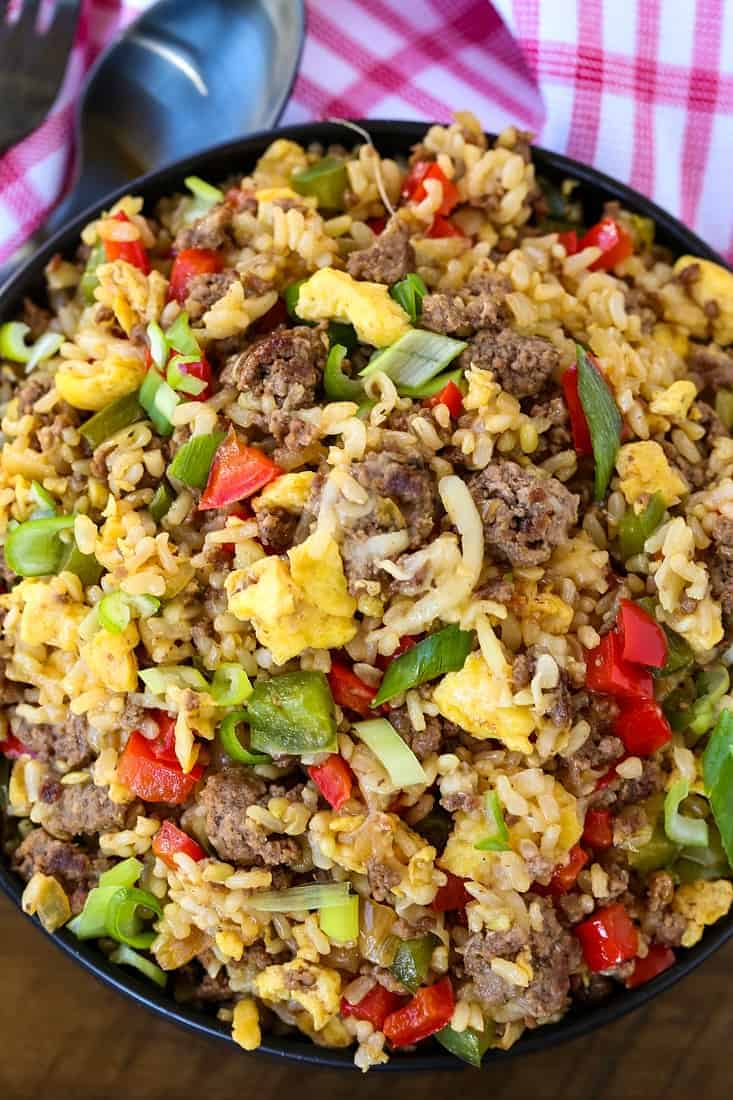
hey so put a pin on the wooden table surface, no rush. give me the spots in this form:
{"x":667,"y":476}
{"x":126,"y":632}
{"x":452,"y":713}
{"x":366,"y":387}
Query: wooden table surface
{"x":66,"y":1036}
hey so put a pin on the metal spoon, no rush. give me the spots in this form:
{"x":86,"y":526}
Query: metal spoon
{"x":185,"y":75}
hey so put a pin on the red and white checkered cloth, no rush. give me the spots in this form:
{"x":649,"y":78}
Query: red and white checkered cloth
{"x":643,"y":89}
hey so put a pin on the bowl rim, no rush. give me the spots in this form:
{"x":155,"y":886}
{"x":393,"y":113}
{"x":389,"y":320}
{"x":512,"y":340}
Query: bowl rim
{"x":236,"y":154}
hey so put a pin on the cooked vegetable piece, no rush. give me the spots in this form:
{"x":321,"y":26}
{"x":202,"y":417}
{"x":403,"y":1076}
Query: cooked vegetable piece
{"x":400,"y":762}
{"x":412,"y":960}
{"x":336,"y":384}
{"x":469,"y":1045}
{"x":635,"y":528}
{"x":348,"y":689}
{"x":498,"y":838}
{"x":608,"y":938}
{"x":125,"y":956}
{"x":409,"y":293}
{"x":158,"y":399}
{"x":416,"y":357}
{"x":657,"y":959}
{"x":334,"y":779}
{"x":603,"y":417}
{"x":230,"y":742}
{"x":341,"y":922}
{"x":444,"y":651}
{"x":237,"y":471}
{"x":193,"y":460}
{"x":161,"y":502}
{"x":680,"y":829}
{"x":325,"y":180}
{"x":14,"y":347}
{"x":170,"y":840}
{"x":298,"y":899}
{"x":429,"y":1010}
{"x":154,"y":779}
{"x":34,"y":549}
{"x":292,"y":713}
{"x":718,"y":776}
{"x":230,"y":686}
{"x":375,"y":1006}
{"x":122,"y":919}
{"x":112,"y":419}
{"x":90,"y":280}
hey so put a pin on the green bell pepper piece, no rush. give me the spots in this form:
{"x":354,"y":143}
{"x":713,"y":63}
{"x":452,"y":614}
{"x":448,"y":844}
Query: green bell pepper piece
{"x":469,"y":1045}
{"x":293,"y":713}
{"x":412,"y":960}
{"x":326,"y":180}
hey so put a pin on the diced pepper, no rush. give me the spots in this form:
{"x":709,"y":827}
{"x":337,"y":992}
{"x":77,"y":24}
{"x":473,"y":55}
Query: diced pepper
{"x":405,"y":643}
{"x":643,"y":640}
{"x":334,"y":779}
{"x":188,"y":264}
{"x":642,"y":727}
{"x":469,"y":1045}
{"x":292,"y":713}
{"x":199,"y":369}
{"x":237,"y":472}
{"x":608,"y":938}
{"x":169,"y":840}
{"x":578,"y":422}
{"x":598,"y":829}
{"x":612,"y":239}
{"x":326,"y":179}
{"x":429,"y":1010}
{"x":133,"y":252}
{"x":564,"y":878}
{"x":635,"y":528}
{"x":152,"y":778}
{"x":276,"y":315}
{"x":414,"y":188}
{"x":348,"y":690}
{"x":443,"y":227}
{"x":452,"y":896}
{"x":450,"y":396}
{"x":412,"y":960}
{"x":607,"y":671}
{"x":569,"y":241}
{"x":377,"y":225}
{"x":656,"y":961}
{"x":12,"y":748}
{"x":375,"y":1006}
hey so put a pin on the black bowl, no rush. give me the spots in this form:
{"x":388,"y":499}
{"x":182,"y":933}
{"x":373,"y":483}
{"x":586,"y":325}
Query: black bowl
{"x":391,"y":138}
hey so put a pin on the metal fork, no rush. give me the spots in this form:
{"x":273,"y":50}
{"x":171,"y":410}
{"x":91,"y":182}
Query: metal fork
{"x":32,"y":65}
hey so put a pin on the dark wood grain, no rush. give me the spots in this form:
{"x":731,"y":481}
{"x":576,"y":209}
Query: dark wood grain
{"x":65,"y":1035}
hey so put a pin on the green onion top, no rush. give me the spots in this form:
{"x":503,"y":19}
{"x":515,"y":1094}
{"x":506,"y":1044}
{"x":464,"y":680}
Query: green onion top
{"x":498,"y":839}
{"x":416,"y":357}
{"x":604,"y":419}
{"x":298,"y":899}
{"x":34,"y":549}
{"x":634,"y":529}
{"x":394,"y":754}
{"x":444,"y":651}
{"x":180,"y":337}
{"x":409,"y":293}
{"x":718,"y":777}
{"x":680,"y":829}
{"x":112,"y":419}
{"x":192,"y":462}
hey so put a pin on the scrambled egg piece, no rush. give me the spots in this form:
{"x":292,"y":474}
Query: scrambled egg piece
{"x":289,"y":491}
{"x":480,"y":702}
{"x":334,"y":1034}
{"x":460,"y":855}
{"x":316,"y":988}
{"x":246,"y":1024}
{"x":334,"y":296}
{"x":50,"y":615}
{"x":714,"y":284}
{"x":303,"y":605}
{"x":643,"y":468}
{"x":702,"y":903}
{"x":675,"y":401}
{"x":270,"y":194}
{"x":111,"y":658}
{"x":672,"y":336}
{"x":94,"y":385}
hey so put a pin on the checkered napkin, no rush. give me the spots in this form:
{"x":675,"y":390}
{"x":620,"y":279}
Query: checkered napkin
{"x":643,"y":89}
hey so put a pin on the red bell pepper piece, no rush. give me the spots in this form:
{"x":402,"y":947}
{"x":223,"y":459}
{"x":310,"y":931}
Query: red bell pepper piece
{"x":656,"y":961}
{"x":608,"y":938}
{"x":12,"y":748}
{"x":133,"y":252}
{"x":644,"y":641}
{"x":406,"y":642}
{"x":443,"y":227}
{"x":375,"y":1006}
{"x":169,"y":840}
{"x":569,"y":241}
{"x":276,"y":315}
{"x":415,"y":190}
{"x":334,"y":779}
{"x":611,"y":774}
{"x":237,"y":472}
{"x":429,"y":1010}
{"x":201,"y":370}
{"x":564,"y":878}
{"x":642,"y":726}
{"x":377,"y":225}
{"x":154,"y":778}
{"x":348,"y":690}
{"x":613,"y":240}
{"x":189,"y":263}
{"x":578,"y":422}
{"x":608,"y":672}
{"x":452,"y":896}
{"x":450,"y":396}
{"x":598,"y":829}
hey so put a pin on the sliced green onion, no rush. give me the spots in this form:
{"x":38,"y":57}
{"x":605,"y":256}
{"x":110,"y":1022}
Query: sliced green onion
{"x":658,"y":852}
{"x":84,"y":566}
{"x":326,"y":180}
{"x":115,"y":609}
{"x":341,"y":922}
{"x":337,"y":386}
{"x":469,"y":1045}
{"x":162,"y":499}
{"x":724,"y":407}
{"x":412,"y":960}
{"x":711,"y":862}
{"x":679,"y":654}
{"x":45,"y":505}
{"x":125,"y":956}
{"x":159,"y":349}
{"x":112,"y":419}
{"x":342,"y":332}
{"x":122,"y":920}
{"x":292,"y":713}
{"x":634,"y":530}
{"x":90,"y":280}
{"x":179,"y":380}
{"x":159,"y":400}
{"x":200,"y":189}
{"x":44,"y":348}
{"x":680,"y":829}
{"x":125,"y":873}
{"x":192,"y":462}
{"x":409,"y":293}
{"x":498,"y":839}
{"x":364,"y":409}
{"x":718,"y":776}
{"x":230,"y":685}
{"x":398,"y":759}
{"x":90,"y":923}
{"x":229,"y":740}
{"x":34,"y":549}
{"x":416,"y":357}
{"x":14,"y":347}
{"x":444,"y":651}
{"x":296,"y":899}
{"x":158,"y":680}
{"x":435,"y":385}
{"x":180,"y":337}
{"x":290,"y":297}
{"x":604,"y":419}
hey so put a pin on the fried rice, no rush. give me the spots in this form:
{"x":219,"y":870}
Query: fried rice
{"x":523,"y":802}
